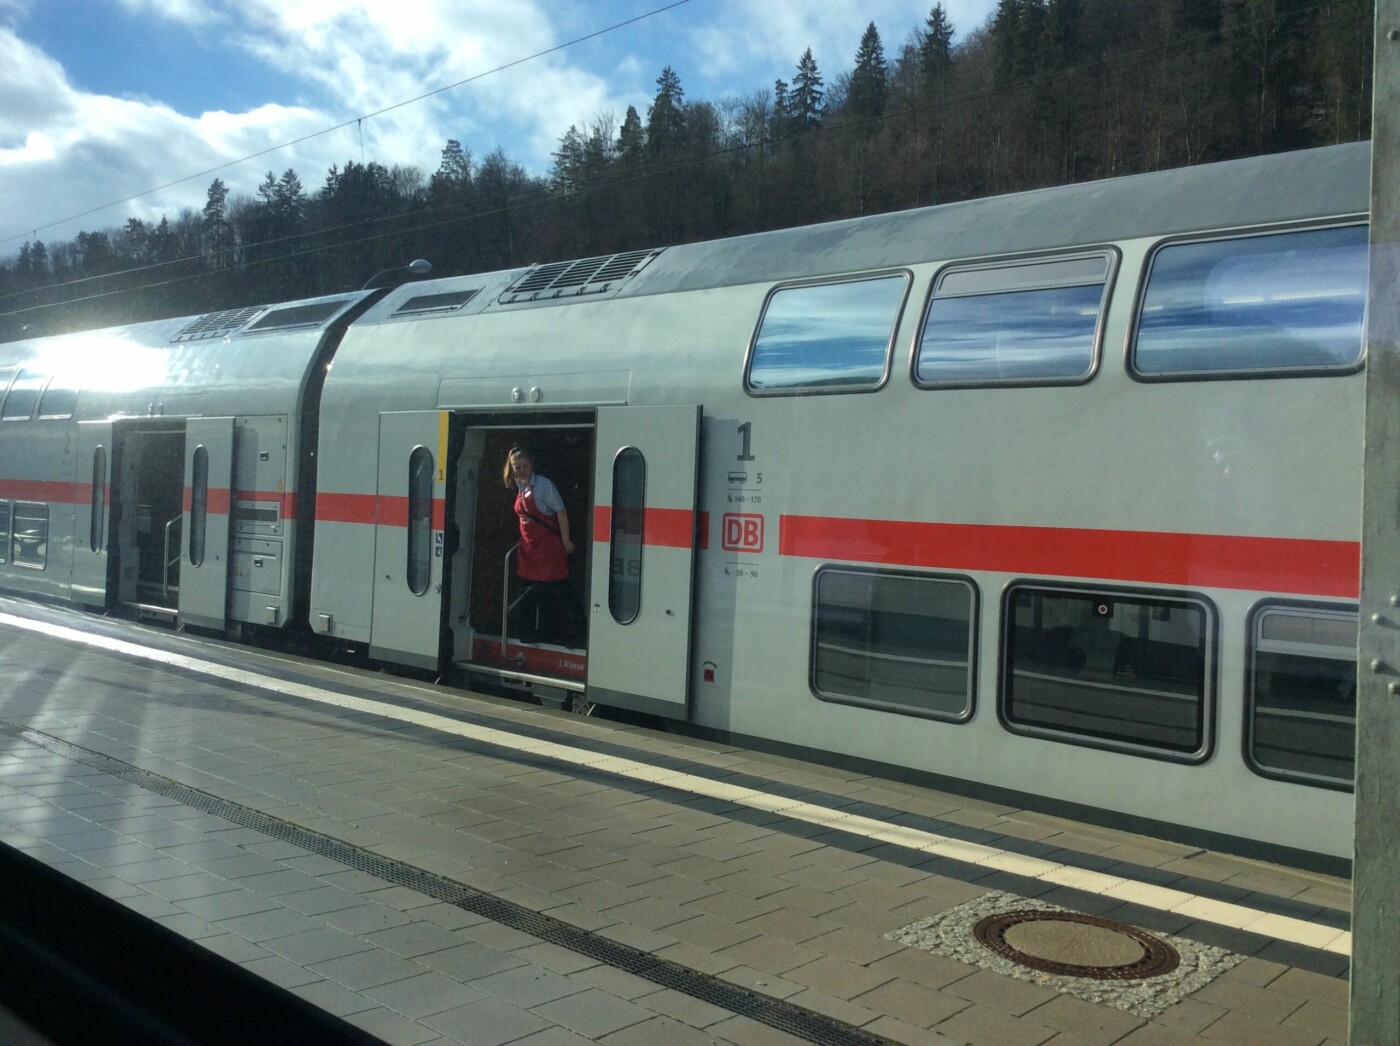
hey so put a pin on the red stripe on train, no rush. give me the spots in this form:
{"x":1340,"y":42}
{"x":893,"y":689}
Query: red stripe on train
{"x":371,"y":508}
{"x":666,"y":527}
{"x":45,"y":490}
{"x":1297,"y":565}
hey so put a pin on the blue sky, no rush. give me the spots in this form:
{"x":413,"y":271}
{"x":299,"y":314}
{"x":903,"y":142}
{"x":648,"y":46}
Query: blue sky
{"x":106,"y":100}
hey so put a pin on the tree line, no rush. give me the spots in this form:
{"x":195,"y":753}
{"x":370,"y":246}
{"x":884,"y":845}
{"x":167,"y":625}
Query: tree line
{"x":1046,"y":92}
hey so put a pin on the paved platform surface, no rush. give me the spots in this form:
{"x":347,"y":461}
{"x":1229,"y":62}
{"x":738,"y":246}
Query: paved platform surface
{"x":442,"y":867}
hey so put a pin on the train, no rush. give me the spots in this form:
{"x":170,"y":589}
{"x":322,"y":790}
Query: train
{"x":1052,"y":497}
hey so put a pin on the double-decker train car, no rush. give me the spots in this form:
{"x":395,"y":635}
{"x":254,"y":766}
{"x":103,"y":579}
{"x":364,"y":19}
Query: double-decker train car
{"x":1052,"y":495}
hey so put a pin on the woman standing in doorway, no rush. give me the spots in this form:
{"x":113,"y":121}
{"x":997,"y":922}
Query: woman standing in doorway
{"x":545,"y":546}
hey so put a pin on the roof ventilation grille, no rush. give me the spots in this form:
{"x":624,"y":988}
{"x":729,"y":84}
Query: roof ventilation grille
{"x":217,"y":324}
{"x":295,"y":316}
{"x":560,"y":280}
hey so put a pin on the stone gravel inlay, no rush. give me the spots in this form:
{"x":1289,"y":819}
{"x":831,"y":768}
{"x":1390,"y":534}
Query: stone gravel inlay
{"x":950,"y":933}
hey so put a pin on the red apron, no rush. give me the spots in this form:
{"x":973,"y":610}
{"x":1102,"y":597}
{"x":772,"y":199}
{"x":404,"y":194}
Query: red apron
{"x":541,"y":556}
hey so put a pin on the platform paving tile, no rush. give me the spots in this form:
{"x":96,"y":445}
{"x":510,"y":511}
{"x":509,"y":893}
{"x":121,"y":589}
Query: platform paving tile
{"x":470,"y":961}
{"x":743,"y":1031}
{"x":392,"y":1028}
{"x":319,"y":945}
{"x":593,"y":1013}
{"x":983,"y":1026}
{"x":1238,"y":997}
{"x":1304,"y":984}
{"x":228,"y":905}
{"x":1331,"y":1021}
{"x":424,"y":994}
{"x":1084,"y":1022}
{"x":487,"y":1021}
{"x":281,"y":972}
{"x":837,"y":977}
{"x":1238,"y":1029}
{"x":708,"y":931}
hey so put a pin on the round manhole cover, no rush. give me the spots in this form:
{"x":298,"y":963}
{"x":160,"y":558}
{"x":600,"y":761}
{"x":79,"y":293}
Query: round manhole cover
{"x":1076,"y":945}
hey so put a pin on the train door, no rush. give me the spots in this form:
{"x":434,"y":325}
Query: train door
{"x":147,"y":468}
{"x":92,"y":483}
{"x":204,"y":546}
{"x":645,"y":496}
{"x":409,"y":538}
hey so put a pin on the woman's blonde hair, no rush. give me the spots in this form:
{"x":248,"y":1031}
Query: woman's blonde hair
{"x":507,"y":476}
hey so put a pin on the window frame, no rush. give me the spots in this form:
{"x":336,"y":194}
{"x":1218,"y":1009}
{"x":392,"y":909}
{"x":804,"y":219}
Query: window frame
{"x":199,"y":504}
{"x":832,"y":281}
{"x":6,"y":507}
{"x":974,"y":642}
{"x":48,"y":524}
{"x":97,"y":524}
{"x":418,"y":536}
{"x":1114,"y":259}
{"x":38,"y":396}
{"x":1259,"y":374}
{"x":613,"y":587}
{"x":1256,"y":612}
{"x":1210,"y":699}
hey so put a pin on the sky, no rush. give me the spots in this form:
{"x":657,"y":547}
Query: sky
{"x":112,"y":109}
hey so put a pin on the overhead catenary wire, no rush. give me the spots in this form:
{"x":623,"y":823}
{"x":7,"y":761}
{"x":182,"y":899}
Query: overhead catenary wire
{"x":613,"y":180}
{"x":357,"y":121}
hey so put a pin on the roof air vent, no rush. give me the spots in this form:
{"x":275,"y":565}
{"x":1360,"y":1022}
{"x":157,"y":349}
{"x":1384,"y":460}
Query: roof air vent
{"x":217,"y":324}
{"x":423,"y":304}
{"x":567,"y":280}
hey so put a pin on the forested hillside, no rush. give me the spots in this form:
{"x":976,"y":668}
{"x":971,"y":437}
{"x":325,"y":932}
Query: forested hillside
{"x":1046,"y":92}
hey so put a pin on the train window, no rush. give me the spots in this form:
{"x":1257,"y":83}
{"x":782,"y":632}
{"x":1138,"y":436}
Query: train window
{"x":199,"y":504}
{"x":420,"y":520}
{"x":1034,"y":322}
{"x":60,"y":399}
{"x":1275,"y":304}
{"x":24,"y":396}
{"x":29,"y":534}
{"x":1301,"y":718}
{"x":4,"y":531}
{"x":900,"y":642}
{"x":6,"y":373}
{"x":625,"y":541}
{"x":829,"y":337}
{"x":1117,"y":669}
{"x":99,"y":499}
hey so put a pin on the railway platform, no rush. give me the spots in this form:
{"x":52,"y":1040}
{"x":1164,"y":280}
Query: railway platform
{"x":427,"y":865}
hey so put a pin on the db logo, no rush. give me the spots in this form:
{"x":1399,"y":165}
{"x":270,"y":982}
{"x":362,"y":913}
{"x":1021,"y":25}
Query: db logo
{"x":742,"y":533}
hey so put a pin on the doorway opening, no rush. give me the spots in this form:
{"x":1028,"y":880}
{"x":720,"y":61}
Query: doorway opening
{"x":147,"y":517}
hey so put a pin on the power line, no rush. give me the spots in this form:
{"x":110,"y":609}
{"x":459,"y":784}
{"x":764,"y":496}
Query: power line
{"x":357,"y":121}
{"x":612,"y":180}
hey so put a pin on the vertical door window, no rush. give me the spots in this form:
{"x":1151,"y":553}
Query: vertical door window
{"x":30,"y":535}
{"x":420,"y":520}
{"x":4,"y":531}
{"x":199,"y":505}
{"x":96,"y":530}
{"x":625,"y":546}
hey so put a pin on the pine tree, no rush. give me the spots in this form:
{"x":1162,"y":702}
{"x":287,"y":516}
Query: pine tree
{"x":666,"y":117}
{"x":216,"y":229}
{"x":807,"y":97}
{"x":869,"y":79}
{"x":936,"y":51}
{"x":631,"y":139}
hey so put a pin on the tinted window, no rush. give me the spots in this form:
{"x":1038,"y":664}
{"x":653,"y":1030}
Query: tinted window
{"x":1109,"y":666}
{"x":29,"y":535}
{"x":625,"y":541}
{"x":1302,"y":694}
{"x":59,"y":401}
{"x":1029,"y":322}
{"x":99,"y":499}
{"x":199,"y":504}
{"x":420,"y":520}
{"x":832,"y":336}
{"x":1256,"y":304}
{"x":24,"y":395}
{"x":4,"y":531}
{"x":902,"y":642}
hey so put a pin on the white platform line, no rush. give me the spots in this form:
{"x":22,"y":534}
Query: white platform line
{"x":1224,"y":913}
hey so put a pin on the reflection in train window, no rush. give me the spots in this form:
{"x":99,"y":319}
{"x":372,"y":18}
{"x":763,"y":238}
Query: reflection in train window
{"x":1034,"y":322}
{"x":1120,"y":669}
{"x":99,"y":499}
{"x":420,"y":520}
{"x":60,"y":399}
{"x":24,"y":395}
{"x":902,"y":642}
{"x":1278,"y":303}
{"x":625,"y":540}
{"x":199,"y":504}
{"x":830,"y":337}
{"x":4,"y":531}
{"x":1302,"y":694}
{"x":29,"y":535}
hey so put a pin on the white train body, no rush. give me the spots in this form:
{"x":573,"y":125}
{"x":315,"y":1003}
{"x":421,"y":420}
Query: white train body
{"x":1072,"y":549}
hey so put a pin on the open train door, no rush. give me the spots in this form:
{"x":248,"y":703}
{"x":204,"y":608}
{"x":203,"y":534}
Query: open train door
{"x":644,"y":492}
{"x":92,"y":516}
{"x":408,"y":538}
{"x":204,"y":539}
